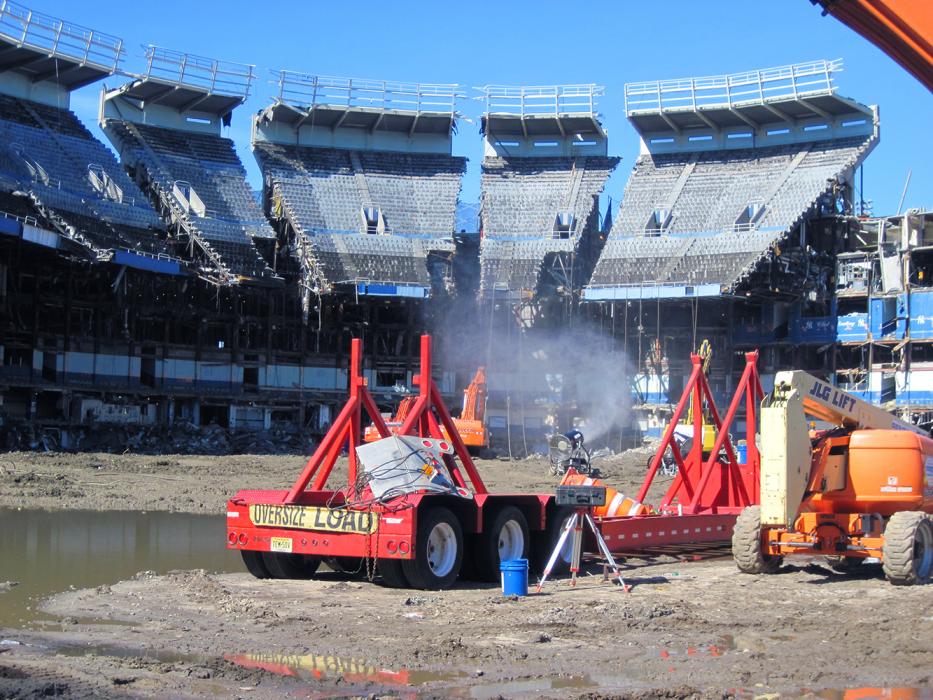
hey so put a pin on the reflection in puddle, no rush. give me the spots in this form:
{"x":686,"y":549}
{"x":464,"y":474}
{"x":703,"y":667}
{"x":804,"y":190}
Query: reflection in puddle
{"x":724,"y":644}
{"x":52,"y":551}
{"x":318,"y":667}
{"x":872,"y":693}
{"x":844,"y":694}
{"x":323,"y":667}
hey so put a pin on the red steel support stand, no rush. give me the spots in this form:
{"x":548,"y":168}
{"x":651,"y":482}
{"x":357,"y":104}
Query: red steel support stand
{"x":425,"y":420}
{"x":711,"y":485}
{"x":711,"y":489}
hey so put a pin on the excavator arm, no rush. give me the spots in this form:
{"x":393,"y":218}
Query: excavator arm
{"x":474,"y":397}
{"x":786,"y":453}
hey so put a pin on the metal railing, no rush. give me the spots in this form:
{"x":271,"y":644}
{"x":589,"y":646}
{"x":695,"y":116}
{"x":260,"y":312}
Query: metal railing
{"x":541,"y":99}
{"x":208,"y":74}
{"x":21,"y":26}
{"x":308,"y":91}
{"x":28,"y":220}
{"x":737,"y":89}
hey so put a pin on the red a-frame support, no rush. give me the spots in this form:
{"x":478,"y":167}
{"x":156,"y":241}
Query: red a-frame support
{"x":424,"y":420}
{"x":717,"y":483}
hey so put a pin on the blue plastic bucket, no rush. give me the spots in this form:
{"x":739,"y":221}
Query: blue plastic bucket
{"x":741,"y":453}
{"x":514,"y":576}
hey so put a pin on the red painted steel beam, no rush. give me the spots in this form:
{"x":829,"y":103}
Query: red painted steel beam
{"x":651,"y":531}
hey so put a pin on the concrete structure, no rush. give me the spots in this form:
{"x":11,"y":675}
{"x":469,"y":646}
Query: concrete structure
{"x":157,"y":289}
{"x":360,"y":181}
{"x":544,"y":167}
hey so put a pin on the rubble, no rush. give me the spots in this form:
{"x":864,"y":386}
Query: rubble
{"x":180,"y":438}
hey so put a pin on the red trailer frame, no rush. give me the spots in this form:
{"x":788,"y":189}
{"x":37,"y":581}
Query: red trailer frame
{"x":328,"y":523}
{"x":700,"y":506}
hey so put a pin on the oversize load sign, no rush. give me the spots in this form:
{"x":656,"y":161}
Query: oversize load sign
{"x":313,"y":518}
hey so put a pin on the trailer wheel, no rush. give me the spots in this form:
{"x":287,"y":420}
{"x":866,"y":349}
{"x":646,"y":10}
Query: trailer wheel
{"x":254,"y":563}
{"x":746,"y":544}
{"x":392,"y":574}
{"x":547,"y":541}
{"x":907,"y":553}
{"x":438,"y":551}
{"x":507,"y":538}
{"x":282,"y":565}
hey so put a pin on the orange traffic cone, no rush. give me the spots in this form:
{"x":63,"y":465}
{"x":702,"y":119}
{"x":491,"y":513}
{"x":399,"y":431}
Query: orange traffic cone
{"x":617,"y":503}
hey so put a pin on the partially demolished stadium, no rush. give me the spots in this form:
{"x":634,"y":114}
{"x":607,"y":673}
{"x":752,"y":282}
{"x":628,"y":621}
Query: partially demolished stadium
{"x":153,"y":287}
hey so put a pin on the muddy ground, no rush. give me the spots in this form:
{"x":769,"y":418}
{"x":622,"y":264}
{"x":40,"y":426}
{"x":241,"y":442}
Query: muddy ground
{"x":202,"y":484}
{"x":690,"y":627}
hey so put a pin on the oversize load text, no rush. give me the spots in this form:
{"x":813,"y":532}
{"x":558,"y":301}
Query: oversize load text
{"x":312,"y":518}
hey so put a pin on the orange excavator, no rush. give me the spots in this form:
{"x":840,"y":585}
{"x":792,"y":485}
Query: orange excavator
{"x":472,"y":421}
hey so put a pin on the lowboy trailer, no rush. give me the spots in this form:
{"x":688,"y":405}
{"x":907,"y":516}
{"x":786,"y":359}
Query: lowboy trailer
{"x":421,"y":539}
{"x":428,"y":537}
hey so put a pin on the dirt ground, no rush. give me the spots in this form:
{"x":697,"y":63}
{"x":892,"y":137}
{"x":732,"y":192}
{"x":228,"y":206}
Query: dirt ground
{"x":690,"y":627}
{"x":202,"y":484}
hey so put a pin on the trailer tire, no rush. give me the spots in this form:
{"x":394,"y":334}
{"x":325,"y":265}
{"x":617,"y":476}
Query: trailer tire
{"x":508,"y":536}
{"x":746,"y":544}
{"x":547,"y":541}
{"x":254,"y":563}
{"x":283,"y":565}
{"x":392,"y":574}
{"x":907,"y":553}
{"x":438,"y":551}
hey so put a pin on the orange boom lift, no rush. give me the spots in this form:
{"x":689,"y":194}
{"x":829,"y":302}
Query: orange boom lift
{"x":860,"y":490}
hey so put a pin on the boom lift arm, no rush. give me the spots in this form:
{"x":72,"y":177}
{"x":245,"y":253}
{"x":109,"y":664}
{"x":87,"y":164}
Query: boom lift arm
{"x":787,"y":460}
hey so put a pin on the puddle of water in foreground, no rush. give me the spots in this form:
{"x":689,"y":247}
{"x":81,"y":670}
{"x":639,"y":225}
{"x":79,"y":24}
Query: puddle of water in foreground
{"x":50,"y":551}
{"x":313,"y":667}
{"x":319,"y":667}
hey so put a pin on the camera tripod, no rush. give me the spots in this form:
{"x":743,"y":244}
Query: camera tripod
{"x":575,"y":523}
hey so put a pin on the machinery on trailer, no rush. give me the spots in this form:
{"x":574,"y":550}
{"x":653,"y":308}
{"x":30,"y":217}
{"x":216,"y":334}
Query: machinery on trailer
{"x":858,"y":491}
{"x":471,"y":423}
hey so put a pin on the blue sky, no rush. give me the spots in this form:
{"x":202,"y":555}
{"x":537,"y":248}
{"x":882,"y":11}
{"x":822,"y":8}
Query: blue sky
{"x":521,"y":42}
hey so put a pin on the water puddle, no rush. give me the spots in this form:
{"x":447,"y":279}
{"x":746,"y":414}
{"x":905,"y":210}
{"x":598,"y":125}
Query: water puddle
{"x":319,"y":667}
{"x":532,"y":687}
{"x":314,"y":667}
{"x":47,"y":552}
{"x":720,"y":647}
{"x":843,"y":694}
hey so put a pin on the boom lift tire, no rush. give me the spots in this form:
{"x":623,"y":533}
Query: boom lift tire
{"x":283,"y":565}
{"x":438,"y":551}
{"x":392,"y":574}
{"x":507,"y":538}
{"x":746,"y":544}
{"x":908,"y":548}
{"x":254,"y":563}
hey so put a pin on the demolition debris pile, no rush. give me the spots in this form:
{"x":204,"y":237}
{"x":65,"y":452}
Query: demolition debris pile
{"x":180,"y":438}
